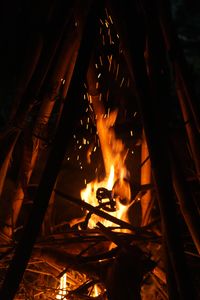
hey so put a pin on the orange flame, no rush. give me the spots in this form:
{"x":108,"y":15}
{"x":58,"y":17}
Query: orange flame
{"x":114,"y":155}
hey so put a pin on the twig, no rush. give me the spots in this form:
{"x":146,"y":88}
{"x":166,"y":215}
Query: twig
{"x":101,"y":213}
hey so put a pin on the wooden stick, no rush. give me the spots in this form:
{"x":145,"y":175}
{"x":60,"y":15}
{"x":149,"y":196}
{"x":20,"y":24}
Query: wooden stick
{"x":70,"y":116}
{"x":100,"y":213}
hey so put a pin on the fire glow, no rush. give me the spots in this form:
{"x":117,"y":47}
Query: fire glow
{"x":114,"y":155}
{"x":63,"y":287}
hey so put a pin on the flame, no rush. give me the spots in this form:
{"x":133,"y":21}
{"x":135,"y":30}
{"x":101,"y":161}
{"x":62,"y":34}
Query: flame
{"x":114,"y":155}
{"x":63,"y":287}
{"x":95,"y":291}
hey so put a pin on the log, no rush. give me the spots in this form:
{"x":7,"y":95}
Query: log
{"x":103,"y":214}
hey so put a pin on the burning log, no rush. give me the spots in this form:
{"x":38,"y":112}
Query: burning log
{"x":103,"y":214}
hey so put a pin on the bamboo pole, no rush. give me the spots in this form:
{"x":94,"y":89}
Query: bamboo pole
{"x":186,"y":201}
{"x":43,"y":57}
{"x":32,"y":228}
{"x":69,"y":47}
{"x":56,"y":19}
{"x":192,"y":134}
{"x":173,"y":46}
{"x":156,"y":141}
{"x":145,"y":179}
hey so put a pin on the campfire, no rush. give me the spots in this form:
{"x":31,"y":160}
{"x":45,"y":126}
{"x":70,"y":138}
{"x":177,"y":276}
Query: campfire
{"x":94,"y":185}
{"x":109,"y":193}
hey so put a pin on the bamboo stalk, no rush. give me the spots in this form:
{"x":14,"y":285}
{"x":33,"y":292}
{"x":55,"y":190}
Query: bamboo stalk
{"x":189,"y":124}
{"x":24,"y":248}
{"x":145,"y":179}
{"x":6,"y":161}
{"x":154,"y":131}
{"x":68,"y":47}
{"x":174,"y":47}
{"x":186,"y":202}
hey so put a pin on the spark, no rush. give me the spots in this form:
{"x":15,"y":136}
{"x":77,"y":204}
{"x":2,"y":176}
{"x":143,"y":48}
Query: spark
{"x":107,"y":95}
{"x":110,"y":19}
{"x":122,"y":82}
{"x":110,"y":38}
{"x":100,"y":59}
{"x":101,"y":21}
{"x":106,"y":23}
{"x":117,"y":72}
{"x":135,"y":113}
{"x":80,"y":147}
{"x":103,"y":40}
{"x":96,"y":66}
{"x":110,"y":62}
{"x":131,"y":132}
{"x":81,"y":121}
{"x":68,"y":158}
{"x":85,"y":181}
{"x":77,"y":157}
{"x":106,"y":12}
{"x":84,"y":141}
{"x":99,"y":75}
{"x":97,"y":85}
{"x":74,"y":136}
